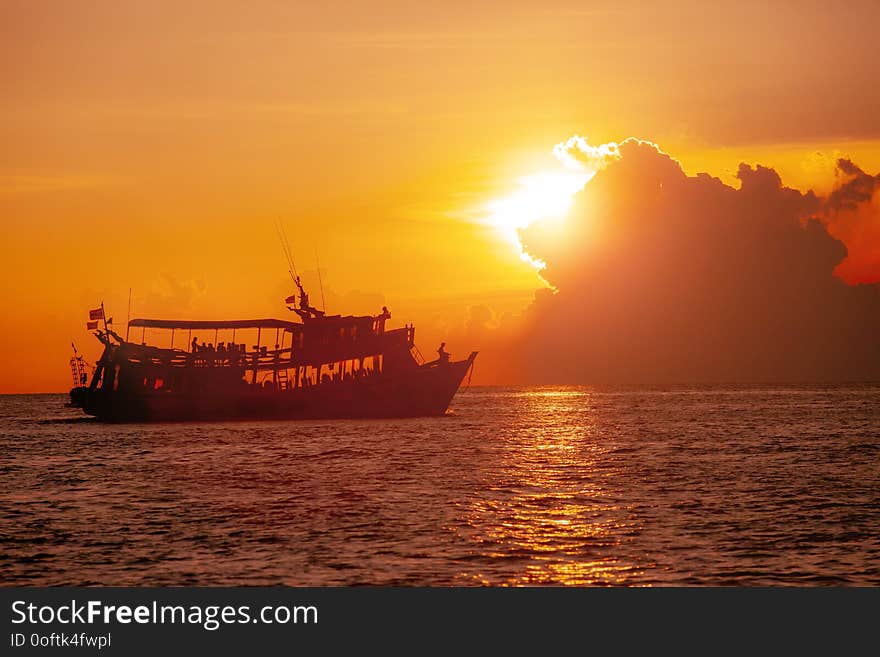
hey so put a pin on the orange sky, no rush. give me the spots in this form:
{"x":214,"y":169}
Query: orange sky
{"x":151,"y":146}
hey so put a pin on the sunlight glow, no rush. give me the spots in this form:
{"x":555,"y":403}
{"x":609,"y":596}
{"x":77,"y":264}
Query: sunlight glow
{"x":546,"y":195}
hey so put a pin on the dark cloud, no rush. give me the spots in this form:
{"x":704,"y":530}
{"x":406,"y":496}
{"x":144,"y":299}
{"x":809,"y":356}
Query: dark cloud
{"x":851,"y":214}
{"x":662,"y":277}
{"x":855,"y":186}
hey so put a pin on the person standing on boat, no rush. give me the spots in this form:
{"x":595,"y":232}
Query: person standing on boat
{"x":443,"y":355}
{"x":381,"y":319}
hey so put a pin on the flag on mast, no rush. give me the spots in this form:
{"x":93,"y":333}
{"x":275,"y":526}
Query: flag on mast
{"x":92,"y":326}
{"x":97,"y":313}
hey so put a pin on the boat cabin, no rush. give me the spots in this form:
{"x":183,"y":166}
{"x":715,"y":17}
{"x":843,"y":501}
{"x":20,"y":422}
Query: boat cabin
{"x":319,"y":350}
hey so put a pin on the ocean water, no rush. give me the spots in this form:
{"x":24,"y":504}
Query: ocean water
{"x":515,"y":486}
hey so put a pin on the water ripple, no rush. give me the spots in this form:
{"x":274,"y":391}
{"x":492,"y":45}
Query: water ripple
{"x":517,"y":486}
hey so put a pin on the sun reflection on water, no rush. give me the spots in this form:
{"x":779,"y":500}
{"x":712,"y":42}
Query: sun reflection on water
{"x":547,"y":516}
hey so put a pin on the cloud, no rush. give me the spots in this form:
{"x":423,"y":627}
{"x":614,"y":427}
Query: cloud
{"x":170,"y":296}
{"x":350,"y":302}
{"x":664,"y":277}
{"x":851,"y":213}
{"x":480,"y":321}
{"x":577,"y":153}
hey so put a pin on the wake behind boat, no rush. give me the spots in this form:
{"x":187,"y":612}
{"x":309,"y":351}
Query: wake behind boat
{"x":323,"y":366}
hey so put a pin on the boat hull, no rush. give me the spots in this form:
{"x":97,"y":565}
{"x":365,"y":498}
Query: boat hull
{"x":422,"y":391}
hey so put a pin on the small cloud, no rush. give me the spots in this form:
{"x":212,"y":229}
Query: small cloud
{"x":169,"y":295}
{"x":576,"y":153}
{"x":480,"y":320}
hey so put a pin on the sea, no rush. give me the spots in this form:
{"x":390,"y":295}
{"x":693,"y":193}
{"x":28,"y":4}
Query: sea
{"x":583,"y":486}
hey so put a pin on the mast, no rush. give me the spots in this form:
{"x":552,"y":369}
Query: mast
{"x":128,"y":319}
{"x":320,"y":282}
{"x":104,"y":315}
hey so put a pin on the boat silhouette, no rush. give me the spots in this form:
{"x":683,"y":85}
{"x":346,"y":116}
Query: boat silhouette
{"x":322,"y":366}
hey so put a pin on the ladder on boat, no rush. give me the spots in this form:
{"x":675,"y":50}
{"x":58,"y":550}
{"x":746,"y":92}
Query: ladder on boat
{"x":78,"y":371}
{"x":281,"y":380}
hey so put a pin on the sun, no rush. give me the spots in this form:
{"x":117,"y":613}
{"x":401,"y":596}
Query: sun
{"x":548,"y":194}
{"x":538,"y":197}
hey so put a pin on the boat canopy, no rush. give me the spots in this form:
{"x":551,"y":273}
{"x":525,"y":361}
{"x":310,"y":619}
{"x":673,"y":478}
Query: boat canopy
{"x":216,"y":325}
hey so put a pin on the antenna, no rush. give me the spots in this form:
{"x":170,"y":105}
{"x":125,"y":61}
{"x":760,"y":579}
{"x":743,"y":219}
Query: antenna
{"x":320,"y":282}
{"x":285,"y":248}
{"x":128,"y":319}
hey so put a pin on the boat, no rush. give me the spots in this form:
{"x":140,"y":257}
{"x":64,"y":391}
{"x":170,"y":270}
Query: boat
{"x":321,"y":366}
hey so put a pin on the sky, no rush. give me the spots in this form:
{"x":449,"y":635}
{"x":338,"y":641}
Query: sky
{"x":153,"y":146}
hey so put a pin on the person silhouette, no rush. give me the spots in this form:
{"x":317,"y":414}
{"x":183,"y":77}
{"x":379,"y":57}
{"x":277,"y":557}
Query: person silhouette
{"x":443,"y":355}
{"x":381,"y":319}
